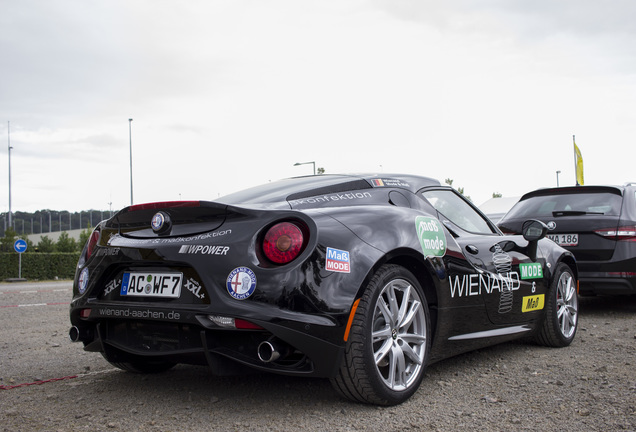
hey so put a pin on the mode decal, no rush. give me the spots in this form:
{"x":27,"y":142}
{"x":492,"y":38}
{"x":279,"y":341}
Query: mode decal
{"x":194,"y":287}
{"x":431,"y":235}
{"x":330,"y":198}
{"x":204,"y":250}
{"x":531,"y":270}
{"x":389,"y":182}
{"x":338,"y":260}
{"x":241,"y":283}
{"x":533,"y":303}
{"x":474,"y":284}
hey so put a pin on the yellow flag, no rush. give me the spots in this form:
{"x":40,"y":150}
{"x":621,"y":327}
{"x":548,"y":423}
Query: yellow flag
{"x":578,"y":161}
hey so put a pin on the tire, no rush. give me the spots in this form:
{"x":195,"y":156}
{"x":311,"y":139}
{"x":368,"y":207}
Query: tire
{"x":561,"y":311}
{"x":389,"y":341}
{"x":144,"y":367}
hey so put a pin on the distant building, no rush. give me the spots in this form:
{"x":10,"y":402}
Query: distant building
{"x":54,"y":236}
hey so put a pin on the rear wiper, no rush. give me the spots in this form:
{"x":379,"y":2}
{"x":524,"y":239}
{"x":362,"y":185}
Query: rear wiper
{"x":574,"y":213}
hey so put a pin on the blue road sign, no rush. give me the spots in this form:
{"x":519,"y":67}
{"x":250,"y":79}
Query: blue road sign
{"x":20,"y":246}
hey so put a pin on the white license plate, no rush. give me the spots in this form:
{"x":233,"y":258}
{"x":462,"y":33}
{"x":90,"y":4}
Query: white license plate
{"x":167,"y":285}
{"x":565,"y":239}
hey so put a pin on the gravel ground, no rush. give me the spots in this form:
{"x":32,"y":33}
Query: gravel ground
{"x":589,"y":386}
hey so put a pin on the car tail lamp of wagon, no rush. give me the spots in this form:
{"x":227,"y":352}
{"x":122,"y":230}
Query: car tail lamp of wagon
{"x":625,"y":233}
{"x":284,"y":241}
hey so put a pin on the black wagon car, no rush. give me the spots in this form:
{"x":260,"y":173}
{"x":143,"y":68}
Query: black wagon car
{"x":362,"y":279}
{"x":596,"y":223}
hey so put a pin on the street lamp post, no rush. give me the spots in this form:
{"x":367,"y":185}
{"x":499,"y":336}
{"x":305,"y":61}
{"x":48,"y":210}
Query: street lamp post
{"x":131,"y":171}
{"x":557,"y":173}
{"x":9,"y":144}
{"x":306,"y":163}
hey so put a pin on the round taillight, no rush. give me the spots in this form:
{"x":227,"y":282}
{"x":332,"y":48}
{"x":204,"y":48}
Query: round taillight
{"x":283,"y":242}
{"x":92,"y":242}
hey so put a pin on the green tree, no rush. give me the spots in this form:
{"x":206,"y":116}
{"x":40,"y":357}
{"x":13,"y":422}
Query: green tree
{"x":496,"y":195}
{"x":66,"y":243}
{"x":6,"y":243}
{"x":46,"y":245}
{"x":449,"y":182}
{"x":320,"y":171}
{"x":83,"y":238}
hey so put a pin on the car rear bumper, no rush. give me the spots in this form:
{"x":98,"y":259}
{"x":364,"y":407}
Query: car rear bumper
{"x":285,"y":347}
{"x":607,"y":283}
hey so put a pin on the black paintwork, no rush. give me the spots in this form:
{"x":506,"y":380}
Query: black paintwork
{"x":301,"y":305}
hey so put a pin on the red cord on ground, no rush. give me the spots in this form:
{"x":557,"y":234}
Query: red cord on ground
{"x":9,"y":387}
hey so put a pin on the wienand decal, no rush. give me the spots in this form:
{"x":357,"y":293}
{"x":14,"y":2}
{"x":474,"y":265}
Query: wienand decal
{"x":338,"y":260}
{"x":476,"y":284}
{"x":150,"y":314}
{"x":431,"y":235}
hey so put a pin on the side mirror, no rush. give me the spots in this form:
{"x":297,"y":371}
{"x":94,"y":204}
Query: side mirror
{"x":533,"y":231}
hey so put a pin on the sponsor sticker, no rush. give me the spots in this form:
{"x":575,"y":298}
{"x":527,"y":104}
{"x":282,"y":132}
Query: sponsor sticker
{"x":431,"y":235}
{"x":83,"y":281}
{"x":533,"y":303}
{"x":338,"y":260}
{"x":531,"y":270}
{"x":389,"y":182}
{"x":241,"y":283}
{"x":112,"y":286}
{"x":204,"y":249}
{"x":194,"y":287}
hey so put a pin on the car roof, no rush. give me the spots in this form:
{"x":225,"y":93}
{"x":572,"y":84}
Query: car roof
{"x":573,"y":190}
{"x":297,"y":187}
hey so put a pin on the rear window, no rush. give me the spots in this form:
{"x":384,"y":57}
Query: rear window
{"x":603,"y":203}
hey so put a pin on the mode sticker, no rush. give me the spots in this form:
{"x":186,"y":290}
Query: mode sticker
{"x":531,"y":270}
{"x":431,"y":234}
{"x":241,"y":283}
{"x":338,"y":260}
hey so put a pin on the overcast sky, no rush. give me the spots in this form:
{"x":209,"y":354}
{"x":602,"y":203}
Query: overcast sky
{"x":229,"y":94}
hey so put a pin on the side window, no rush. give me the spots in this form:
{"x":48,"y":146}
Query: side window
{"x":457,"y":211}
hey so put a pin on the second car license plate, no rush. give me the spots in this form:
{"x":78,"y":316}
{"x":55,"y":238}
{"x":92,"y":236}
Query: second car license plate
{"x":565,"y":239}
{"x":151,"y":284}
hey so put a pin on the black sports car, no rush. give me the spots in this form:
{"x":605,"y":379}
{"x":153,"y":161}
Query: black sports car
{"x":364,"y":279}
